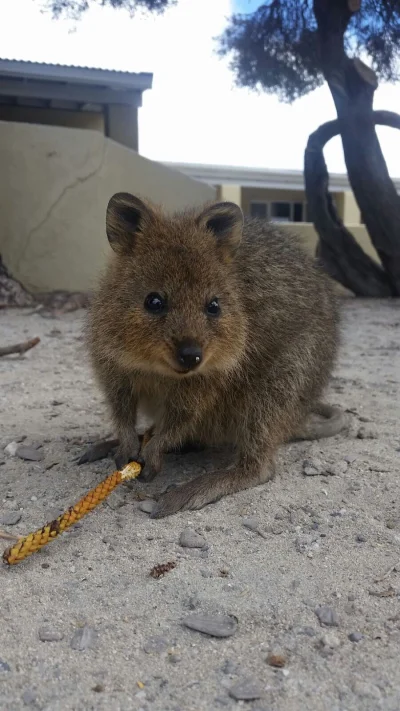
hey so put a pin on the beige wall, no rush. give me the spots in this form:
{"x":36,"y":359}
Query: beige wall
{"x":269,"y":195}
{"x":55,"y":184}
{"x":122,"y":125}
{"x":308,"y":236}
{"x":53,"y":117}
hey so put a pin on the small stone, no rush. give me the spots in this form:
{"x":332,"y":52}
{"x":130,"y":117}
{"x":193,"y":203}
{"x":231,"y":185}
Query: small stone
{"x":252,"y":523}
{"x":360,"y":538}
{"x":56,"y":403}
{"x":98,"y":688}
{"x":11,"y":449}
{"x":29,"y":454}
{"x":276,"y":660}
{"x":327,"y":616}
{"x":312,"y":467}
{"x":366,"y":433}
{"x":191,"y":539}
{"x":4,"y":667}
{"x":84,"y":638}
{"x":330,"y":640}
{"x":174,"y":658}
{"x":10,"y":518}
{"x":29,"y":697}
{"x":48,"y":634}
{"x":147,"y":506}
{"x":155,"y":645}
{"x":308,"y":631}
{"x":213,"y":625}
{"x":246,"y":690}
{"x":391,"y":524}
{"x":355,"y":636}
{"x":229,"y":667}
{"x":336,"y":468}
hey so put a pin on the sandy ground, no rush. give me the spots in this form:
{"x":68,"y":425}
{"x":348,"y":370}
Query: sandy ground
{"x":330,"y":540}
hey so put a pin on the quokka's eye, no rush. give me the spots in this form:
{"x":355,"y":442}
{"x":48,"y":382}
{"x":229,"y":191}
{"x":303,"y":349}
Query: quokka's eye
{"x":213,"y":308}
{"x":155,"y":303}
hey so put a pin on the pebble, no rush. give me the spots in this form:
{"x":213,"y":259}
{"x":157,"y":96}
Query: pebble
{"x":213,"y":625}
{"x":308,"y":631}
{"x":252,"y":523}
{"x":98,"y":688}
{"x":246,"y":690}
{"x":155,"y":645}
{"x":327,"y":616}
{"x":312,"y":467}
{"x":83,"y":638}
{"x":229,"y":667}
{"x":48,"y":634}
{"x":30,"y":454}
{"x":174,"y":658}
{"x":147,"y":506}
{"x":355,"y":636}
{"x":276,"y":660}
{"x":330,"y":641}
{"x":336,"y":468}
{"x":11,"y":449}
{"x":190,"y":539}
{"x":366,"y":433}
{"x":360,"y":538}
{"x":29,"y":697}
{"x":10,"y":518}
{"x":4,"y":667}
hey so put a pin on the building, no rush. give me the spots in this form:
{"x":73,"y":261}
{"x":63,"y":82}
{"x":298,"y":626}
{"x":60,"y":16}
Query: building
{"x":276,"y":195}
{"x":74,"y":97}
{"x":279,"y":196}
{"x":68,"y":141}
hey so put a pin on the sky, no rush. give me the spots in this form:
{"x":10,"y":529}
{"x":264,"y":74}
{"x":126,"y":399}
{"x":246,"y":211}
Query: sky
{"x":194,"y":113}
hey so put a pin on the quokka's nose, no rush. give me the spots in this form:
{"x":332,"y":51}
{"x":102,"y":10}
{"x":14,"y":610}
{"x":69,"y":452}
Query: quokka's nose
{"x":189,"y":355}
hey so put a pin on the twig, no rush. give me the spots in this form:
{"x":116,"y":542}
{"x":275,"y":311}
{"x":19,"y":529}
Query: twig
{"x":19,"y":347}
{"x":8,"y":536}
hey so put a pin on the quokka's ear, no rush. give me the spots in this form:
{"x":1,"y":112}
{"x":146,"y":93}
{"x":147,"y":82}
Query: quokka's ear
{"x":225,"y":221}
{"x":126,"y":216}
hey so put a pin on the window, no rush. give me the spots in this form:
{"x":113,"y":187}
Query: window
{"x":259,"y":210}
{"x":279,"y":211}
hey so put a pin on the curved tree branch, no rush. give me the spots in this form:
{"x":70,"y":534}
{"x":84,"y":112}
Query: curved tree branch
{"x":341,"y":255}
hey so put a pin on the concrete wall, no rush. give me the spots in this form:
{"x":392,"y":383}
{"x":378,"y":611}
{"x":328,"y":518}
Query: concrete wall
{"x":55,"y":184}
{"x":93,"y":120}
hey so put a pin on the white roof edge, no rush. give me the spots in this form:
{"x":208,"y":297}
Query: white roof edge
{"x":15,"y":68}
{"x":258,"y":177}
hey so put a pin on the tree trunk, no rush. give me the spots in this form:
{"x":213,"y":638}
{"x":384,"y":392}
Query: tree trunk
{"x":340,"y":254}
{"x":352,"y":85}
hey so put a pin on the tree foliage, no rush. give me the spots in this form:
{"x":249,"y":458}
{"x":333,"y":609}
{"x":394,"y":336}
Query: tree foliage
{"x":75,"y":8}
{"x":277,"y":48}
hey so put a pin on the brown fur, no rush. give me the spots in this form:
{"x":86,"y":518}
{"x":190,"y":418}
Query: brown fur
{"x":266,"y":358}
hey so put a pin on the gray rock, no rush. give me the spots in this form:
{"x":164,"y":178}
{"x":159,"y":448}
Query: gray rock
{"x":367,"y":433}
{"x":10,"y":518}
{"x":308,"y":631}
{"x":30,"y":454}
{"x":360,"y":538}
{"x":312,"y":467}
{"x":4,"y":667}
{"x":11,"y":449}
{"x":174,"y":658}
{"x":190,"y":539}
{"x":155,"y":645}
{"x":48,"y":634}
{"x":246,"y":690}
{"x":336,"y":468}
{"x":229,"y":667}
{"x":84,"y":638}
{"x":364,"y":689}
{"x":213,"y":625}
{"x":29,"y":697}
{"x":355,"y":636}
{"x":252,"y":523}
{"x":327,"y":616}
{"x":330,"y":640}
{"x":147,"y":506}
